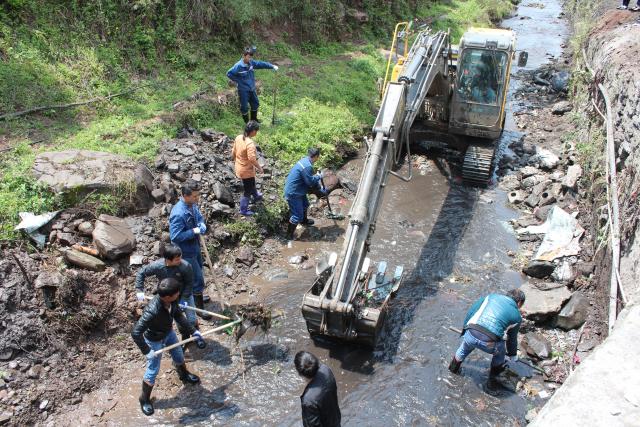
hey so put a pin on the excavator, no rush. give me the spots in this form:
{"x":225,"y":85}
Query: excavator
{"x":447,"y":98}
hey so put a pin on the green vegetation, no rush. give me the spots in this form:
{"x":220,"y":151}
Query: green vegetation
{"x":60,"y":52}
{"x":244,"y":231}
{"x":458,"y":15}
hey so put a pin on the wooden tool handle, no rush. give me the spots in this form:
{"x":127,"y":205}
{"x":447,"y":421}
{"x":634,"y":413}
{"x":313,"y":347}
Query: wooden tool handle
{"x":198,"y":310}
{"x":210,"y":331}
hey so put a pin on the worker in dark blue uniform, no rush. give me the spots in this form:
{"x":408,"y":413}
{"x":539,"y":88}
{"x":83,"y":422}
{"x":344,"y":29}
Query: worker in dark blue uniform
{"x":488,"y":320}
{"x":243,"y":75}
{"x":300,"y":181}
{"x":186,"y":223}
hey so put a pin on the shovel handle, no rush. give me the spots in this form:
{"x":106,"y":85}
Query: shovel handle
{"x":188,"y":340}
{"x":210,"y":313}
{"x":326,"y":196}
{"x":203,"y":244}
{"x":199,"y":310}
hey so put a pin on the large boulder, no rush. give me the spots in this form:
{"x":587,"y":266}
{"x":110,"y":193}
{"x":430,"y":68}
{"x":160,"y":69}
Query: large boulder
{"x":574,"y":314}
{"x":223,"y":194}
{"x":541,"y":305}
{"x":536,"y":345}
{"x":539,"y":269}
{"x":82,"y":171}
{"x":113,"y":237}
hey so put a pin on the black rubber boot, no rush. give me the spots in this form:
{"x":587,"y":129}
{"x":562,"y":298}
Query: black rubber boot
{"x":186,"y":376}
{"x":493,"y":385}
{"x":145,"y":399}
{"x":291,"y":229}
{"x":245,"y":117}
{"x":199,"y":300}
{"x":307,"y":221}
{"x":454,"y":366}
{"x":254,"y":116}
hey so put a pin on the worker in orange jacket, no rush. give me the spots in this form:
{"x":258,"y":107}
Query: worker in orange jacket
{"x":245,"y":156}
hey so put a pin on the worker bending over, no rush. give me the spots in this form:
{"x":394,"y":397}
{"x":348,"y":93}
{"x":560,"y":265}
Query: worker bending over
{"x":154,"y":331}
{"x":488,"y":320}
{"x":300,"y":181}
{"x":174,"y":267}
{"x":319,"y":400}
{"x":185,"y":225}
{"x":243,"y":75}
{"x":245,"y":156}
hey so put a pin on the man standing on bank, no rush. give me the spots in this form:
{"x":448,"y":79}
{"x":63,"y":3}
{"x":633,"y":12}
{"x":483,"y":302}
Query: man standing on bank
{"x":488,"y":320}
{"x":243,"y":75}
{"x":320,"y":397}
{"x":300,"y":181}
{"x":245,"y":157}
{"x":174,"y":267}
{"x":154,"y":331}
{"x":185,"y":226}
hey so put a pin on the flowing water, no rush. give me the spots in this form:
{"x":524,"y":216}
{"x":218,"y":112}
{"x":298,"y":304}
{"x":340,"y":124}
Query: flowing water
{"x":453,"y":243}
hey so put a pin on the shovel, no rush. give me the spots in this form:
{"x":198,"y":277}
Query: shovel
{"x":198,"y":310}
{"x":275,"y":91}
{"x":203,"y":244}
{"x":330,"y":214}
{"x":188,"y":340}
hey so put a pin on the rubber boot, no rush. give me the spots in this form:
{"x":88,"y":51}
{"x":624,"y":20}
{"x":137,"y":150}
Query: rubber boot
{"x":254,"y":116}
{"x":493,"y":385}
{"x":244,"y":206}
{"x":454,"y":366}
{"x":257,"y":197}
{"x":291,"y":229}
{"x":186,"y":376}
{"x":199,"y":300}
{"x":306,"y":220}
{"x":145,"y":399}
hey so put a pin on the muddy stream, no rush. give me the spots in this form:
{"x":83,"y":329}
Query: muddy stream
{"x":453,"y":243}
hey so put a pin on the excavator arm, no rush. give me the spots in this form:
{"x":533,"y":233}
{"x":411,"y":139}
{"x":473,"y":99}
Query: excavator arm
{"x":349,"y":298}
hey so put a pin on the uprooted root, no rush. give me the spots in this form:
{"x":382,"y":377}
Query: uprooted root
{"x":254,"y":315}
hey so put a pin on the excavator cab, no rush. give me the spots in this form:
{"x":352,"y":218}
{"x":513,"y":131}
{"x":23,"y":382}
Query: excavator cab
{"x":482,"y":80}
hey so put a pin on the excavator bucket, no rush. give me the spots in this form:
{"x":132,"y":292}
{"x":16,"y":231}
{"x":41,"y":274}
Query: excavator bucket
{"x":362,"y":320}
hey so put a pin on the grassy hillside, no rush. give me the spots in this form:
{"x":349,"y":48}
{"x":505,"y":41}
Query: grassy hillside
{"x":60,"y":51}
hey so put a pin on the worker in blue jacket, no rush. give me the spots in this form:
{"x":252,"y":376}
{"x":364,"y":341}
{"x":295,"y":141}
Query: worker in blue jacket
{"x":243,"y":75}
{"x":185,"y":225}
{"x":488,"y":320}
{"x":300,"y":181}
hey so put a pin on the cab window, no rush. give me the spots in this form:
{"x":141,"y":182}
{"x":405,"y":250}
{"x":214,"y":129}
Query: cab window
{"x":481,"y":75}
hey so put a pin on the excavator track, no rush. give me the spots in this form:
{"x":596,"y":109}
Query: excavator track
{"x":478,"y":165}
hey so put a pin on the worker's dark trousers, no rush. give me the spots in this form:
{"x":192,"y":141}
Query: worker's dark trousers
{"x":298,"y":206}
{"x":248,"y":97}
{"x":198,"y":277}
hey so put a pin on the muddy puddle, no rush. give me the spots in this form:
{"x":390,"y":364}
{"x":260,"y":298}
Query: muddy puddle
{"x":453,"y":243}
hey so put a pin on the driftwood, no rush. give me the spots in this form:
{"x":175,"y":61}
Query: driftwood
{"x":70,"y":105}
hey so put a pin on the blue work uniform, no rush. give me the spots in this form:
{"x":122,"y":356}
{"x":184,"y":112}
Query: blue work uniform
{"x":488,"y":320}
{"x":182,"y":221}
{"x":244,"y":76}
{"x":300,"y":181}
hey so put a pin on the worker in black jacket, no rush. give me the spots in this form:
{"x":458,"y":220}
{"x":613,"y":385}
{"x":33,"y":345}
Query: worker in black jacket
{"x":320,"y":398}
{"x":154,"y":331}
